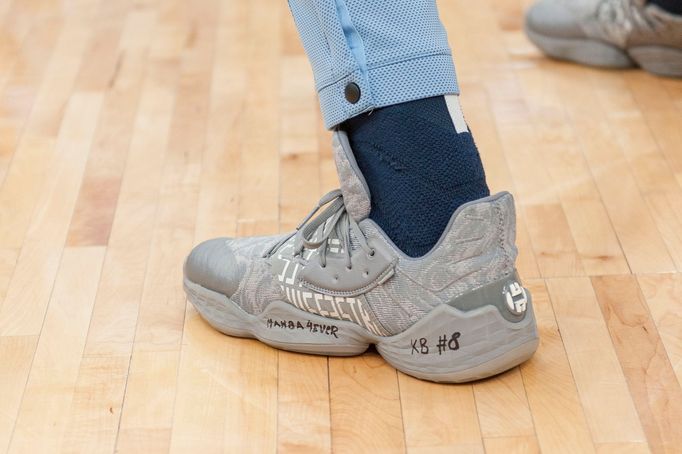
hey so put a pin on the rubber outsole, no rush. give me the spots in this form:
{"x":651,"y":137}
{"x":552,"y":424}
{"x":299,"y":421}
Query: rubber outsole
{"x":586,"y":51}
{"x":659,"y":60}
{"x":447,"y":345}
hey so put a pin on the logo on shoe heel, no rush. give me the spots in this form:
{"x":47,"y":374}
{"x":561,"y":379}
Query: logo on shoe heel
{"x":516,"y":298}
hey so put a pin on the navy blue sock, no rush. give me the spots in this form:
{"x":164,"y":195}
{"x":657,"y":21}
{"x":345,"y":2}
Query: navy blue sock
{"x":418,"y":169}
{"x":671,"y":6}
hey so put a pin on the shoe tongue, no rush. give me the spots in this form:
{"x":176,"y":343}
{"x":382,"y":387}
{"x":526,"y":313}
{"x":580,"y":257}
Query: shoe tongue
{"x":353,"y":185}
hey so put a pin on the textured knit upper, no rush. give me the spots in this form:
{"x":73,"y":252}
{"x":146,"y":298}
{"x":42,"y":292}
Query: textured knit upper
{"x":477,"y":249}
{"x":624,"y":23}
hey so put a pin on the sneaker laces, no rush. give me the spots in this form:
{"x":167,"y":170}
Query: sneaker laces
{"x":621,"y":17}
{"x":335,"y":222}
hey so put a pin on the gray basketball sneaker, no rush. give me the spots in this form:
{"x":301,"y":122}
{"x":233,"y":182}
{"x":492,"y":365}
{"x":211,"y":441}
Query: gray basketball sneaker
{"x":608,"y":33}
{"x":338,"y":284}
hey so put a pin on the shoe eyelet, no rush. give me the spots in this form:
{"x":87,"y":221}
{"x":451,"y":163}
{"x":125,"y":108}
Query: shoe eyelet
{"x":349,"y":268}
{"x":372,"y":252}
{"x":366,"y":273}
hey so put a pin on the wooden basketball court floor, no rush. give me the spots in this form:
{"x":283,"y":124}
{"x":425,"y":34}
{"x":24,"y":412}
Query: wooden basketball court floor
{"x":132,"y":129}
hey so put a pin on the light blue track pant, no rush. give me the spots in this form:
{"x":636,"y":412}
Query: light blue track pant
{"x":373,"y":53}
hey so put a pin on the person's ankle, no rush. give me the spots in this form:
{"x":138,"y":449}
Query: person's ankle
{"x":420,"y":163}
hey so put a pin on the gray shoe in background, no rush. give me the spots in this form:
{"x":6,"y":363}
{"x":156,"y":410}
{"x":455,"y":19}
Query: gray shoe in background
{"x":338,"y":284}
{"x":608,"y":33}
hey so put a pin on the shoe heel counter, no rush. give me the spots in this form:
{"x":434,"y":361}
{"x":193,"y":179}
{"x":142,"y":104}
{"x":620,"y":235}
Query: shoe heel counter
{"x":489,"y":226}
{"x":477,"y":251}
{"x":493,"y":279}
{"x":506,"y":214}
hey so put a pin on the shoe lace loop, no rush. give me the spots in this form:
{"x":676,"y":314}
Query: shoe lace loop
{"x":335,"y":222}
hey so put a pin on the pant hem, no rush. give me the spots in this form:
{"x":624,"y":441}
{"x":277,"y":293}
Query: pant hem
{"x":395,"y":83}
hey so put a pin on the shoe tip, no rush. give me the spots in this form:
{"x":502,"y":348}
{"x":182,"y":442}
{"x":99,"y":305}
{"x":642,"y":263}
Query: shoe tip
{"x":553,"y":18}
{"x":213,"y":265}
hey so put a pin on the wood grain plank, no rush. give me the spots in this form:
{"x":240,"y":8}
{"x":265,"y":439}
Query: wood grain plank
{"x":502,"y":407}
{"x":596,"y":241}
{"x":601,"y":385}
{"x":158,"y":333}
{"x":259,"y":148}
{"x":552,"y":241}
{"x":49,"y":224}
{"x":298,"y":110}
{"x":218,"y":197}
{"x":20,"y":195}
{"x":661,"y":116}
{"x":666,"y":210}
{"x":101,"y":57}
{"x":560,"y":422}
{"x":116,"y":309}
{"x":8,"y":260}
{"x":648,"y":165}
{"x":511,"y":445}
{"x":365,"y":405}
{"x":521,"y":146}
{"x":673,"y":89}
{"x":651,"y":379}
{"x":46,"y":403}
{"x":439,"y":417}
{"x":207,"y":363}
{"x":122,"y":82}
{"x":251,"y":422}
{"x":561,"y":155}
{"x":147,"y":414}
{"x":32,"y":39}
{"x":93,"y":422}
{"x":298,"y":143}
{"x":96,"y":406}
{"x":16,"y":354}
{"x":617,"y":186}
{"x":565,"y":161}
{"x":622,"y":448}
{"x":303,"y":420}
{"x":663,"y":295}
{"x":11,"y":37}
